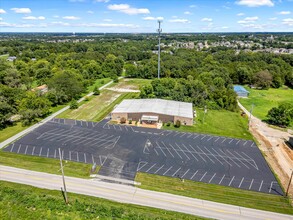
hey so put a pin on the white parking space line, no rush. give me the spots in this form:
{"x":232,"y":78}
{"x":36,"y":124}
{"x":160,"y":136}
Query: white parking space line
{"x":251,"y":162}
{"x":223,"y":140}
{"x":77,"y":156}
{"x":185,"y":173}
{"x":194,"y":174}
{"x":159,"y":169}
{"x":84,"y":157}
{"x":69,"y":155}
{"x":241,"y":182}
{"x":195,"y":136}
{"x":93,"y":160}
{"x":156,"y":151}
{"x":205,"y":154}
{"x":252,"y":145}
{"x":33,"y":150}
{"x":161,"y":149}
{"x":189,"y":135}
{"x":176,"y":171}
{"x":126,"y":128}
{"x":167,"y":170}
{"x":167,"y":149}
{"x":48,"y":152}
{"x":203,"y":137}
{"x":244,"y":143}
{"x":237,"y":142}
{"x":222,"y":179}
{"x":210,"y":138}
{"x":213,"y":155}
{"x":230,"y":158}
{"x":217,"y":139}
{"x":40,"y":151}
{"x":271,"y":186}
{"x":221,"y":156}
{"x":55,"y":153}
{"x":182,"y":135}
{"x":138,"y":166}
{"x":12,"y":147}
{"x":251,"y":184}
{"x":203,"y":176}
{"x":150,"y":168}
{"x":231,"y":180}
{"x":255,"y":165}
{"x":237,"y":159}
{"x":198,"y":153}
{"x":175,"y":151}
{"x":19,"y":148}
{"x":190,"y":152}
{"x":212,"y":177}
{"x":231,"y":141}
{"x":25,"y":149}
{"x":132,"y":128}
{"x":260,"y":185}
{"x":182,"y":151}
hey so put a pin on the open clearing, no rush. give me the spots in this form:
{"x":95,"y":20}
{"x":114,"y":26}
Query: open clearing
{"x":264,"y":100}
{"x":218,"y":122}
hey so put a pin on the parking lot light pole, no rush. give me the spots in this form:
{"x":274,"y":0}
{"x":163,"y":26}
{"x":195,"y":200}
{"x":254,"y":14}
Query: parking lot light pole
{"x":289,"y":182}
{"x":64,"y":185}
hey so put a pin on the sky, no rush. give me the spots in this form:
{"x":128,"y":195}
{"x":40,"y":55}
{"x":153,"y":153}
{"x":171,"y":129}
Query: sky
{"x":140,"y":16}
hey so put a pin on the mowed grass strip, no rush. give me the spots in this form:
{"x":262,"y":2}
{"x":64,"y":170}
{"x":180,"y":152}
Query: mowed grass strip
{"x":264,"y":100}
{"x":47,"y":165}
{"x":130,"y":83}
{"x":215,"y":193}
{"x":19,"y":201}
{"x":218,"y":122}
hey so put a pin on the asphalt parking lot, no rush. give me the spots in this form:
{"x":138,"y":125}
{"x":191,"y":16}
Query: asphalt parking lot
{"x":123,"y":150}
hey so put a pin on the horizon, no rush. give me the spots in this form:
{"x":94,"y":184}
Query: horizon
{"x":130,"y":16}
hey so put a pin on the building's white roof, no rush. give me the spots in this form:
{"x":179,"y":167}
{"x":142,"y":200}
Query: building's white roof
{"x":159,"y":106}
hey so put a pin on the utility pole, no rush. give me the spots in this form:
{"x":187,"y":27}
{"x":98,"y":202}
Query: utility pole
{"x":65,"y":192}
{"x":205,"y":111}
{"x":289,"y":182}
{"x":159,"y":50}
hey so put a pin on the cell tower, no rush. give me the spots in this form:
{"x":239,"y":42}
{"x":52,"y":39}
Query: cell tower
{"x":159,"y":51}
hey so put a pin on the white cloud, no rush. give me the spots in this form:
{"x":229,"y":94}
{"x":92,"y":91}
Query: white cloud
{"x":224,"y":27}
{"x":149,"y":18}
{"x":125,"y":8}
{"x":253,"y":26}
{"x":71,"y":18}
{"x":207,"y":19}
{"x":255,"y":3}
{"x":174,"y":16}
{"x":107,"y":20}
{"x":34,"y":18}
{"x":184,"y":21}
{"x":107,"y":25}
{"x":56,"y":16}
{"x":2,"y":11}
{"x":1,"y":19}
{"x":285,"y":12}
{"x":21,"y":10}
{"x":248,"y":20}
{"x":240,"y":14}
{"x":226,"y":7}
{"x":90,"y":12}
{"x":192,"y":6}
{"x":288,"y":21}
{"x":105,"y":1}
{"x":60,"y":23}
{"x":187,"y":13}
{"x":273,"y":19}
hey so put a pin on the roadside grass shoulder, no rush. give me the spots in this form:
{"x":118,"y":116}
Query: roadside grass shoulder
{"x":264,"y":100}
{"x":19,"y":201}
{"x":216,"y":193}
{"x":218,"y":122}
{"x":47,"y":165}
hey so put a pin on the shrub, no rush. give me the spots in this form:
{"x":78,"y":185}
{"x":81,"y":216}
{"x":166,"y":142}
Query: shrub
{"x":86,"y":99}
{"x":102,"y":82}
{"x":73,"y":104}
{"x":168,"y":123}
{"x":130,"y":122}
{"x":96,"y":91}
{"x":115,"y":79}
{"x":123,"y":120}
{"x":178,"y":124}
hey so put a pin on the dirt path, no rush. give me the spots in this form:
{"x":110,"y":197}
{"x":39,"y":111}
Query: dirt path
{"x":271,"y":142}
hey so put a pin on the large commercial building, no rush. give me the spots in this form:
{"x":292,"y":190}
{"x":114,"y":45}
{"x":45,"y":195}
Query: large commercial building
{"x":154,"y":110}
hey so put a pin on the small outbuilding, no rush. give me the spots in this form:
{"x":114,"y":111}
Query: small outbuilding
{"x":153,"y":111}
{"x":240,"y":91}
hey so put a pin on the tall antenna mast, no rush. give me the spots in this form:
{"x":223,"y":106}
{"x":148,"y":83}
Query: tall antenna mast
{"x":159,"y":51}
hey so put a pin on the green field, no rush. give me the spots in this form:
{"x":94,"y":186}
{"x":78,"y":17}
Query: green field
{"x":130,"y":83}
{"x":47,"y":165}
{"x":218,"y":122}
{"x":97,"y":107}
{"x":264,"y":100}
{"x":215,"y":193}
{"x":19,"y":201}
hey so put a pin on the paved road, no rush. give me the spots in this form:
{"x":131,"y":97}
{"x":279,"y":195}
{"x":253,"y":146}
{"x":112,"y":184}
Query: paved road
{"x":128,"y":194}
{"x":20,"y":134}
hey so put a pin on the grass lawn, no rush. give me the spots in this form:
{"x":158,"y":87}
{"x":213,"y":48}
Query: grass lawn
{"x":218,"y":122}
{"x":98,"y":83}
{"x":26,"y":202}
{"x":97,"y":107}
{"x":11,"y":130}
{"x":215,"y":193}
{"x":264,"y":100}
{"x":47,"y":165}
{"x":130,"y":83}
